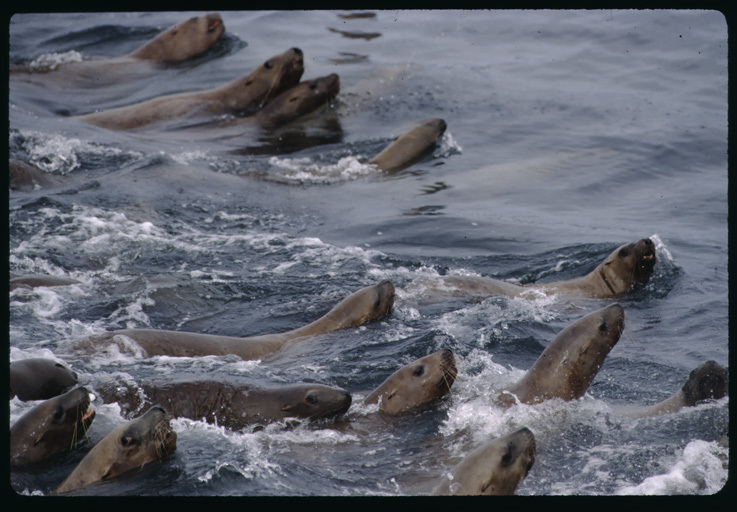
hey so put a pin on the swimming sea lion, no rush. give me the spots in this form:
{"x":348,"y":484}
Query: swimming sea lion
{"x":304,"y":98}
{"x":24,"y":176}
{"x":239,"y":97}
{"x":409,"y":147}
{"x":51,"y":428}
{"x":705,"y":383}
{"x":232,"y":405}
{"x":38,"y":281}
{"x":37,"y":378}
{"x":130,"y":446}
{"x":366,"y":304}
{"x":571,"y":361}
{"x":625,"y":267}
{"x":179,"y":43}
{"x":415,"y":384}
{"x":183,"y":41}
{"x":494,"y":469}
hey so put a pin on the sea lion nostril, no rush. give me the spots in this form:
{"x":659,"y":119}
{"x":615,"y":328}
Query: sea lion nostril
{"x":297,"y":50}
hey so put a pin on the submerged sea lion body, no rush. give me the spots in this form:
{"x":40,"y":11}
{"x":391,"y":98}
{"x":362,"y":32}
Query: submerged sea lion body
{"x":25,"y":177}
{"x":50,"y":429}
{"x":243,"y":96}
{"x":37,"y":378}
{"x":705,"y":383}
{"x":39,"y":281}
{"x":415,"y":384}
{"x":494,"y":469}
{"x":232,"y":405}
{"x":367,"y":304}
{"x":625,"y":267}
{"x":410,"y":147}
{"x":130,"y":446}
{"x":571,"y":361}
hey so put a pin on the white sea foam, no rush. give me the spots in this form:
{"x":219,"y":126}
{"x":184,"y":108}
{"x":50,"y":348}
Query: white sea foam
{"x":700,"y":469}
{"x":447,"y":146}
{"x":305,"y":170}
{"x":661,"y":248}
{"x":60,"y":154}
{"x":50,"y":61}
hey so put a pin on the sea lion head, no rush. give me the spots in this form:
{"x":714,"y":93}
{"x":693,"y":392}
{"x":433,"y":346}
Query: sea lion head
{"x":494,"y":469}
{"x":416,"y":384}
{"x":367,"y":304}
{"x":314,"y":401}
{"x":274,"y":76}
{"x":132,"y":445}
{"x":304,"y":98}
{"x":707,"y":382}
{"x":628,"y":265}
{"x":571,"y":361}
{"x":51,"y":428}
{"x":37,"y":378}
{"x":183,"y":40}
{"x":411,"y":146}
{"x":587,"y":342}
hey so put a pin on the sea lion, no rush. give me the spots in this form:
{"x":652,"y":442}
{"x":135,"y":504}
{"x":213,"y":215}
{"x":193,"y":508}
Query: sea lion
{"x":415,"y":384}
{"x":130,"y":446}
{"x":183,"y":41}
{"x":366,"y":304}
{"x":232,"y":405}
{"x":410,"y":147}
{"x":176,"y":44}
{"x":39,"y":281}
{"x":304,"y":98}
{"x":494,"y":469}
{"x":705,"y":383}
{"x":240,"y":97}
{"x":627,"y":266}
{"x":25,"y":177}
{"x":571,"y":361}
{"x":51,"y":428}
{"x":37,"y":378}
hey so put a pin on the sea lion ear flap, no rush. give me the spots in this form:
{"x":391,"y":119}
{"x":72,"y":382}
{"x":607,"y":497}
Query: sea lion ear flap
{"x":286,"y":408}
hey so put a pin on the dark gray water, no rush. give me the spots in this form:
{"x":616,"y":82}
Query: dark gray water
{"x":569,"y":134}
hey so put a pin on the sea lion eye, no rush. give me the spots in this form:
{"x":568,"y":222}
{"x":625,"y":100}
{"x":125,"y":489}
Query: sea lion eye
{"x":59,"y":413}
{"x":507,"y":457}
{"x":419,"y":370}
{"x":311,"y":398}
{"x":603,"y":326}
{"x":126,"y":441}
{"x":268,"y":64}
{"x":377,"y":303}
{"x":623,"y":252}
{"x":313,"y":85}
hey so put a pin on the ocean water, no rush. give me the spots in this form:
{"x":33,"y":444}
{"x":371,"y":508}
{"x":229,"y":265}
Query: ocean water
{"x":569,"y":134}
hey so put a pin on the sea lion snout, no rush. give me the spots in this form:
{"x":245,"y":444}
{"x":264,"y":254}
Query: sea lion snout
{"x":214,"y":22}
{"x":614,"y":317}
